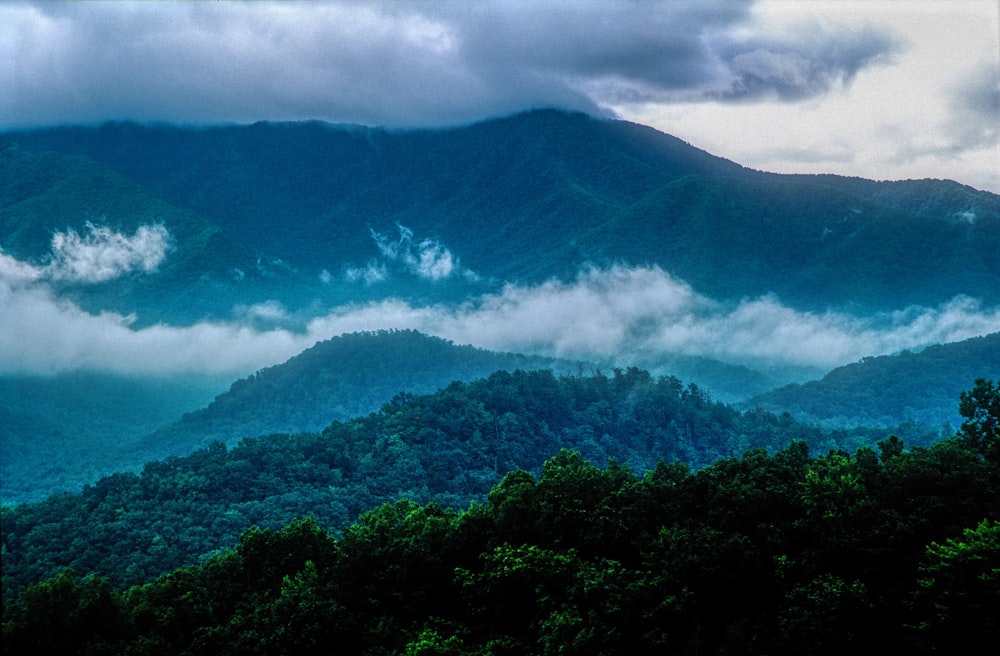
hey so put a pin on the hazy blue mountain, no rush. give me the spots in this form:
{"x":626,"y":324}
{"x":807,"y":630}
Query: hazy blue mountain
{"x":285,"y":212}
{"x":541,"y":194}
{"x":890,"y":389}
{"x":58,"y":433}
{"x":336,"y":380}
{"x":63,"y":431}
{"x":207,"y":270}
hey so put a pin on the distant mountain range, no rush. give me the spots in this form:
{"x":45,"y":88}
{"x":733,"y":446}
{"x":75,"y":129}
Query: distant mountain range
{"x":296,"y":212}
{"x":62,"y":432}
{"x":271,"y":225}
{"x":920,"y":387}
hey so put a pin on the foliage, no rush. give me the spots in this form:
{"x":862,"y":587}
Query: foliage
{"x":781,"y":553}
{"x":336,"y":380}
{"x":451,"y":446}
{"x":59,"y":433}
{"x":980,"y":407}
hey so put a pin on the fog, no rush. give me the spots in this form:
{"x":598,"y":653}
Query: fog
{"x":626,"y":315}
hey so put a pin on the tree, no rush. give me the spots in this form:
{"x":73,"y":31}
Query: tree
{"x":958,"y":600}
{"x":980,"y":430}
{"x":66,"y":615}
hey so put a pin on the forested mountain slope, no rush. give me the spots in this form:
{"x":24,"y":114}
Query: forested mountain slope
{"x":760,"y":554}
{"x":450,"y":446}
{"x":893,"y":388}
{"x":206,"y":272}
{"x":541,"y":194}
{"x":336,"y":380}
{"x":58,"y":433}
{"x":62,"y":432}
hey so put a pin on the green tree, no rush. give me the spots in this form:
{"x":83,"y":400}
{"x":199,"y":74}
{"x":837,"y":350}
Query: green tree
{"x":958,"y":599}
{"x":980,"y":407}
{"x":66,"y":615}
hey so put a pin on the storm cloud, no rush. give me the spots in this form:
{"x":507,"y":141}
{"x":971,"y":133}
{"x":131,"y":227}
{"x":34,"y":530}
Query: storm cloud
{"x":401,"y":63}
{"x":975,"y":106}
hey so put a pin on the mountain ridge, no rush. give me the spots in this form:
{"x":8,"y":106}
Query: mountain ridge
{"x":535,"y":196}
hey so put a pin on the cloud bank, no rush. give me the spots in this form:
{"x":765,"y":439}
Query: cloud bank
{"x":627,"y":315}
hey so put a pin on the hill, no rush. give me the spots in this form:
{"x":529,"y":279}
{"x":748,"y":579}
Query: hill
{"x":541,"y":194}
{"x":909,"y":386}
{"x":62,"y":432}
{"x":205,"y":270}
{"x":336,"y":380}
{"x":450,"y":446}
{"x":764,"y":554}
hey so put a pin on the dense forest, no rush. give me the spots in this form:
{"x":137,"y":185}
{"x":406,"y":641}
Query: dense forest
{"x":451,"y":446}
{"x":758,"y":553}
{"x":339,"y":379}
{"x":62,"y":432}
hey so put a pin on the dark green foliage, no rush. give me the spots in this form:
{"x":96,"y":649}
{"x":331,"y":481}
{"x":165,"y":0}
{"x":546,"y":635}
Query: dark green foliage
{"x":782,"y":553}
{"x":980,"y":407}
{"x":451,"y":446}
{"x":336,"y":380}
{"x":58,"y":433}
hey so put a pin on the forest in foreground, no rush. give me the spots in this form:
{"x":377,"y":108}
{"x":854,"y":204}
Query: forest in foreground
{"x":782,"y":552}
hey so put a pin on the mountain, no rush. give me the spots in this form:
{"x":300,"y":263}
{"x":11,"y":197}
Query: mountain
{"x":336,"y":380}
{"x":539,"y":195}
{"x":206,"y":270}
{"x":908,"y":386}
{"x":449,"y":446}
{"x":59,"y":433}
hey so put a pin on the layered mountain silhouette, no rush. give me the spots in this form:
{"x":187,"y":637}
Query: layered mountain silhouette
{"x":58,"y":433}
{"x":310,"y":216}
{"x":889,"y":389}
{"x":268,"y":210}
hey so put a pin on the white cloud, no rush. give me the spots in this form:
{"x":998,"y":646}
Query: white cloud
{"x":428,"y":259}
{"x":370,"y":274}
{"x":751,"y":81}
{"x":102,"y":254}
{"x":927,"y":109}
{"x":630,"y":315}
{"x":99,"y":255}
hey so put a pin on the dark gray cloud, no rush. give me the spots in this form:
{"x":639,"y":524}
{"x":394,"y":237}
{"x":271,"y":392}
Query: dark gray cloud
{"x":804,"y":64}
{"x":400,"y":63}
{"x":975,"y":108}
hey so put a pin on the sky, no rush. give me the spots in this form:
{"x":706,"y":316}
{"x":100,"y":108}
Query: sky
{"x":892,"y":89}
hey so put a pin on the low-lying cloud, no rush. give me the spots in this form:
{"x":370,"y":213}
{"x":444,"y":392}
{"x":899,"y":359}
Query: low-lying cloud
{"x":626,"y":315}
{"x":98,"y":255}
{"x":428,"y":259}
